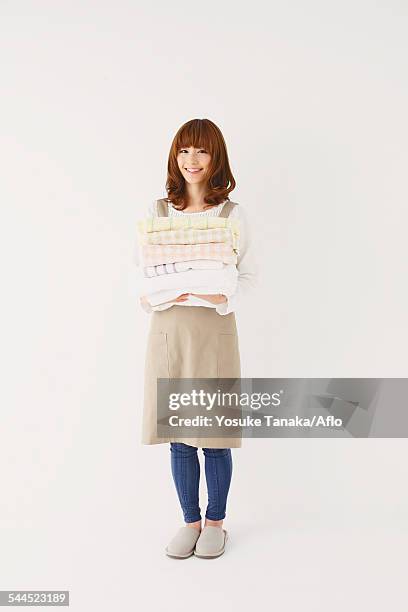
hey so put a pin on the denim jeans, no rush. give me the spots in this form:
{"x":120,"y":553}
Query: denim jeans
{"x":185,"y":468}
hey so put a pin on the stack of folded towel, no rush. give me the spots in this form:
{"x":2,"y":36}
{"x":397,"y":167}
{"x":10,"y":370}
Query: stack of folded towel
{"x":187,"y":255}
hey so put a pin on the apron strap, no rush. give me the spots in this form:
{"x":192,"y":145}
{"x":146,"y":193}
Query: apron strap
{"x":226,"y":209}
{"x":162,"y":208}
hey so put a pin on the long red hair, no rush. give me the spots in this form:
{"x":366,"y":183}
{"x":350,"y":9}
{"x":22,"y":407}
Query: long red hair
{"x":200,"y":133}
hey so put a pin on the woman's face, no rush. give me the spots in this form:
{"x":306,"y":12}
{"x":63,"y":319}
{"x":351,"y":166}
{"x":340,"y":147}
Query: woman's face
{"x":193,"y":164}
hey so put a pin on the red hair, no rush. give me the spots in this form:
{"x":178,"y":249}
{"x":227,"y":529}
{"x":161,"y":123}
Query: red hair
{"x":200,"y":133}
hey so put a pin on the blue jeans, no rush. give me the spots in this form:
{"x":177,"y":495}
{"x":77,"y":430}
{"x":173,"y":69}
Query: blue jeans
{"x":185,"y":468}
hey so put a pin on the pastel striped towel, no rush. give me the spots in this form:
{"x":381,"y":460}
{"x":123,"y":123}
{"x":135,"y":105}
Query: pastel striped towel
{"x":154,"y":254}
{"x":157,"y":224}
{"x":192,"y":236}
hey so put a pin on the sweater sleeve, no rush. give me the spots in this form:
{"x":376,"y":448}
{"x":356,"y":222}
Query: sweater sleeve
{"x":150,"y":212}
{"x":247,"y":264}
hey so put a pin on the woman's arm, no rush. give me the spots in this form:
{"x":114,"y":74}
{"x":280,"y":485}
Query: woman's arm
{"x":137,"y":262}
{"x":151,"y":211}
{"x":247,"y":264}
{"x":145,"y":304}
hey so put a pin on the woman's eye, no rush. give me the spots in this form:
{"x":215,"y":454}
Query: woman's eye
{"x":185,"y":151}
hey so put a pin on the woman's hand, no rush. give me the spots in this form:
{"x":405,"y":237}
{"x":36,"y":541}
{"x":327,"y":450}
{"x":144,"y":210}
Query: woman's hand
{"x":218,"y":298}
{"x":181,"y":298}
{"x":144,"y":301}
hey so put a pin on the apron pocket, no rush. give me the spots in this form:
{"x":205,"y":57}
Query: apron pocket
{"x":228,"y":365}
{"x":157,"y":358}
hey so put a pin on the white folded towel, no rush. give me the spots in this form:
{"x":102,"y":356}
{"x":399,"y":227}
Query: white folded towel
{"x":165,"y":296}
{"x":181,"y":266}
{"x":199,"y":264}
{"x":165,"y":287}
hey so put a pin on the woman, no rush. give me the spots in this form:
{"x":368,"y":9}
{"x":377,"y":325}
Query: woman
{"x":195,"y":335}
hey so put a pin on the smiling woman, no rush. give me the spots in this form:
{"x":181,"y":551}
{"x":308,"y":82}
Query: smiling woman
{"x":198,"y":155}
{"x":194,"y":335}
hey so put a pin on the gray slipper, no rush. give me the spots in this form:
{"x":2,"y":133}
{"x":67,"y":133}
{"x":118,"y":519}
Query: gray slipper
{"x":211,"y":542}
{"x":183,"y":543}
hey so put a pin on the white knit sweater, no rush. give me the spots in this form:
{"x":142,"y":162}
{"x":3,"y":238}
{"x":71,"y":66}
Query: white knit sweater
{"x":246,"y":265}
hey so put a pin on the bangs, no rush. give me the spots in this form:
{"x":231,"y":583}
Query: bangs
{"x":197,"y":135}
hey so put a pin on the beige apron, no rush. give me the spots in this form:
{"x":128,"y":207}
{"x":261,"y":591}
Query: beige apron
{"x":188,"y":342}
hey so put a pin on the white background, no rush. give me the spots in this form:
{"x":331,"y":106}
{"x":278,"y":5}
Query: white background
{"x":311,"y":98}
